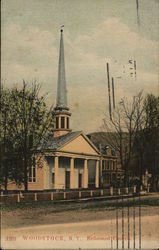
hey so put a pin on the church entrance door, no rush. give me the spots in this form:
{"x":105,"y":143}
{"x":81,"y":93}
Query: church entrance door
{"x":67,"y":179}
{"x":80,"y":180}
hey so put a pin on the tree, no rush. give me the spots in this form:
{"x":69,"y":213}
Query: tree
{"x":6,"y":139}
{"x":151,"y":105}
{"x":134,"y":133}
{"x":28,"y":124}
{"x":146,"y":147}
{"x":123,"y":129}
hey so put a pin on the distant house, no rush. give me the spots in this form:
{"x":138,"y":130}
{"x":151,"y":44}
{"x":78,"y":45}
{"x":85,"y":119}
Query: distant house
{"x":69,"y":160}
{"x":111,"y":171}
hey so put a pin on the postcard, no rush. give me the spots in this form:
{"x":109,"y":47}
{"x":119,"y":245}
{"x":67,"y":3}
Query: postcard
{"x":79,"y":124}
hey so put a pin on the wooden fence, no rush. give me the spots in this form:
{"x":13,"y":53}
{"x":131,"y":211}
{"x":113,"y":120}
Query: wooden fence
{"x":66,"y":195}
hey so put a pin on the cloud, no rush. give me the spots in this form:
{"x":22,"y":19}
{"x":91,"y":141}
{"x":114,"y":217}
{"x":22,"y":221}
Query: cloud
{"x":29,"y":53}
{"x":33,"y":53}
{"x":115,"y":39}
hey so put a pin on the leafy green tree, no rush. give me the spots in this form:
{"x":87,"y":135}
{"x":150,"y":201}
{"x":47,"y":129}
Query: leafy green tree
{"x":6,"y":143}
{"x":29,"y":122}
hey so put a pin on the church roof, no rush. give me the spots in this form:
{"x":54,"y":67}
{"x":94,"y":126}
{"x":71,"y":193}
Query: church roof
{"x":56,"y":143}
{"x":52,"y":143}
{"x":61,"y":99}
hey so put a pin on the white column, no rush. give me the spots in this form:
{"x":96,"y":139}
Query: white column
{"x":101,"y":173}
{"x":72,"y":173}
{"x":47,"y":176}
{"x":97,"y":174}
{"x":45,"y":172}
{"x":65,"y":120}
{"x":111,"y":191}
{"x":85,"y":174}
{"x":56,"y":166}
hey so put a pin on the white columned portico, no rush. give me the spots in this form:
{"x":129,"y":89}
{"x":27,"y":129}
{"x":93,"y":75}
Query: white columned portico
{"x":72,"y":173}
{"x":85,"y":174}
{"x":56,"y":166}
{"x":97,"y":174}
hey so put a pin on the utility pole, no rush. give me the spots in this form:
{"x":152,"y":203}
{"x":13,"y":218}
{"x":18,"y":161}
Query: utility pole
{"x":110,"y":110}
{"x":113,"y":92}
{"x":134,"y":219}
{"x":139,"y":221}
{"x":122,"y":222}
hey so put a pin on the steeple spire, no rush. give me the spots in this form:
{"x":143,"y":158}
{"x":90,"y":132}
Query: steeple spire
{"x":61,"y":111}
{"x":61,"y":101}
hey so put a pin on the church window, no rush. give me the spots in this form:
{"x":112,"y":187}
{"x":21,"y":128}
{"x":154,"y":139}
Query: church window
{"x":62,"y":122}
{"x":32,"y":170}
{"x":57,"y":122}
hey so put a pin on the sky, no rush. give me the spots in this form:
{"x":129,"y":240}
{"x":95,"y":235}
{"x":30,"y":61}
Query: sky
{"x":95,"y":32}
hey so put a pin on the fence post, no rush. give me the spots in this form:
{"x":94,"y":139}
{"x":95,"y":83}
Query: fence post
{"x":148,"y":189}
{"x":91,"y":193}
{"x":118,"y":191}
{"x":52,"y":196}
{"x":79,"y":195}
{"x":127,"y":190}
{"x":35,"y":197}
{"x":21,"y":195}
{"x":64,"y":195}
{"x":116,"y":223}
{"x":134,"y":189}
{"x":101,"y":192}
{"x":141,"y":188}
{"x":18,"y":198}
{"x":111,"y":191}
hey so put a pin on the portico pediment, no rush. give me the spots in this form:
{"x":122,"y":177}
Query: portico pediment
{"x":81,"y":145}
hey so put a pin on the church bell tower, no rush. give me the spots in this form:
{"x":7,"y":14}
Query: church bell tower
{"x":61,"y":110}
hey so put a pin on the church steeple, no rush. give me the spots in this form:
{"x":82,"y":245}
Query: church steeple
{"x":61,"y":101}
{"x":61,"y":111}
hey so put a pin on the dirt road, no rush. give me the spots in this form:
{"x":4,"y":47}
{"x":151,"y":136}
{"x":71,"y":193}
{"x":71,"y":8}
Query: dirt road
{"x":77,"y":229}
